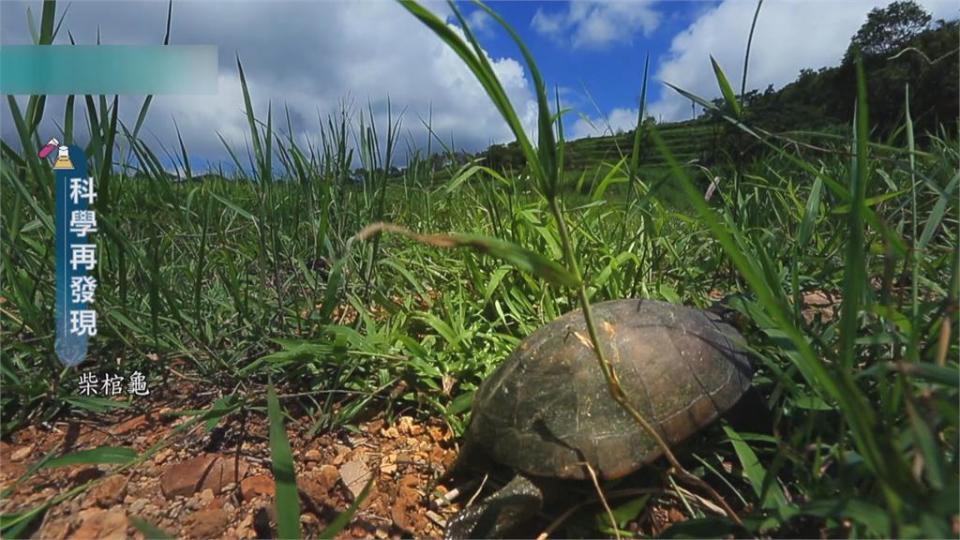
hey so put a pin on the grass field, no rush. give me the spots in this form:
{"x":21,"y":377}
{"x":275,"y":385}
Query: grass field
{"x":260,"y":279}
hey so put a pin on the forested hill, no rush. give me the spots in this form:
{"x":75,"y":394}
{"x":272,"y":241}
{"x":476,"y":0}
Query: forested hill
{"x":901,"y":47}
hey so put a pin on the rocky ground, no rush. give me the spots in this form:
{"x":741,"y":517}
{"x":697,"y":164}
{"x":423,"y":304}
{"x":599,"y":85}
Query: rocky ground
{"x":200,"y":486}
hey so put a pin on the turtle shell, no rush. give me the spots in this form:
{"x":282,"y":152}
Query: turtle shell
{"x":547,"y":409}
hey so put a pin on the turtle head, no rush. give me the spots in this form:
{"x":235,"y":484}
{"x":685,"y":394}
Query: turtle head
{"x":499,"y":514}
{"x":727,"y":309}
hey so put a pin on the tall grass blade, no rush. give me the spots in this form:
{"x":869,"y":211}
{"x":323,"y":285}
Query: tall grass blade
{"x":474,"y":60}
{"x":638,"y":132}
{"x":68,"y":120}
{"x":33,"y":162}
{"x":764,"y":484}
{"x":855,"y":271}
{"x":251,"y":121}
{"x":746,"y":55}
{"x":726,"y":89}
{"x":95,"y":456}
{"x":287,"y":498}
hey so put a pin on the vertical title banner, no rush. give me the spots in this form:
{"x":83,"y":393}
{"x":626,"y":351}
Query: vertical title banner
{"x":76,"y":255}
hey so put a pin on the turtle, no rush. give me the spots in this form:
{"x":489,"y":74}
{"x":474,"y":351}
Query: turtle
{"x":546,"y":410}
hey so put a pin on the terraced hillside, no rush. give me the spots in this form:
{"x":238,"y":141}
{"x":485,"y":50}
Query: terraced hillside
{"x":687,"y":140}
{"x":692,"y":140}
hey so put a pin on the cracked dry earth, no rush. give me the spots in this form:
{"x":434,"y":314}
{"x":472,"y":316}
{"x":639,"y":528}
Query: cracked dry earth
{"x":198,"y":486}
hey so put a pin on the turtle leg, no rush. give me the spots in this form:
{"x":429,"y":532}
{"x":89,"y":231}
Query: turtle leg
{"x":496,"y":515}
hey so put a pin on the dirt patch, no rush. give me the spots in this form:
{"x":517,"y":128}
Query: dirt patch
{"x":201,"y":486}
{"x":218,"y":482}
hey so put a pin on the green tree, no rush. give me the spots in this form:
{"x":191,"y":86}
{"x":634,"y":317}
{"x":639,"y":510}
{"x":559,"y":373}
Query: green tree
{"x":888,"y":29}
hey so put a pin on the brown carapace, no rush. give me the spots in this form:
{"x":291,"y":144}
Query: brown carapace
{"x":547,"y":409}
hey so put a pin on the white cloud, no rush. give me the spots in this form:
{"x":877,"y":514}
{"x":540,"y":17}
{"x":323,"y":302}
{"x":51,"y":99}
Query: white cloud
{"x":618,"y":120}
{"x":789,"y":36}
{"x":480,"y":22}
{"x":592,"y":24}
{"x":307,"y":56}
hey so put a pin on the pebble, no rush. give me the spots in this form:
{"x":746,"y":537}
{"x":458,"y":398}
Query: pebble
{"x":108,"y":492}
{"x":162,"y":455}
{"x":21,"y":453}
{"x":253,"y":486}
{"x":137,"y":506}
{"x":205,"y":497}
{"x":208,"y":523}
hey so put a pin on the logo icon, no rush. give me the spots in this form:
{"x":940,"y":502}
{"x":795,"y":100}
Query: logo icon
{"x":63,"y":159}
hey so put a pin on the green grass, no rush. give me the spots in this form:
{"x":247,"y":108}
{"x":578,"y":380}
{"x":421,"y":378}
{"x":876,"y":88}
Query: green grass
{"x":246,"y":277}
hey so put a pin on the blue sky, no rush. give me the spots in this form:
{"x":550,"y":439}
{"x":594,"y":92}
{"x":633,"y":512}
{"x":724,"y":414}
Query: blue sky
{"x":312,"y":57}
{"x":596,"y":72}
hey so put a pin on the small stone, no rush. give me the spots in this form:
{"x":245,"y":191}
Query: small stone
{"x":320,"y":486}
{"x":137,"y":506}
{"x":312,"y":455}
{"x":22,"y":453}
{"x":130,"y":425}
{"x":245,"y":528}
{"x":260,"y":484}
{"x":410,"y":481}
{"x":108,"y":492}
{"x":102,"y":524}
{"x":205,"y":497}
{"x":207,"y":523}
{"x":56,"y":529}
{"x":183,"y":478}
{"x":162,"y":455}
{"x":404,"y":508}
{"x":355,"y":475}
{"x":404,"y":423}
{"x":224,"y":472}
